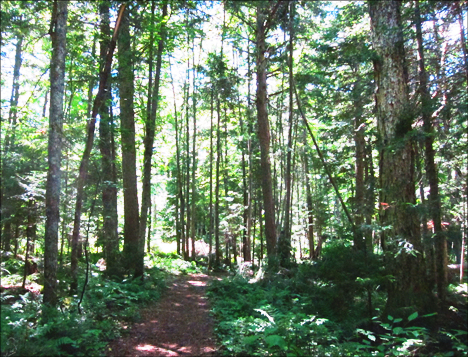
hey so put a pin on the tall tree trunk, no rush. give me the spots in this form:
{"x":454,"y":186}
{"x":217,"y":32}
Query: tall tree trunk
{"x":91,"y":125}
{"x":246,"y":193}
{"x":431,"y":170}
{"x":210,"y":232}
{"x":133,"y":259}
{"x":285,"y":236}
{"x":9,"y":140}
{"x":149,"y":139}
{"x":360,"y":146}
{"x":13,"y":112}
{"x":459,"y":12}
{"x":394,"y":121}
{"x":194,"y":153}
{"x":218,"y":161}
{"x":310,"y":208}
{"x":179,"y":173}
{"x":370,"y":197}
{"x":187,"y":148}
{"x":109,"y":187}
{"x":264,"y":134}
{"x":58,"y":35}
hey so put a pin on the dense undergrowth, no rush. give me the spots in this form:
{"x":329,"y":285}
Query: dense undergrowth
{"x":332,"y":307}
{"x":108,"y":306}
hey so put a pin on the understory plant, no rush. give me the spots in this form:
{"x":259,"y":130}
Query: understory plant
{"x":326,"y":308}
{"x":107,"y":306}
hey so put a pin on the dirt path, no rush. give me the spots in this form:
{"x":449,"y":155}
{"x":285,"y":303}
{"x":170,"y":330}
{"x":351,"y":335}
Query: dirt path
{"x":177,"y":325}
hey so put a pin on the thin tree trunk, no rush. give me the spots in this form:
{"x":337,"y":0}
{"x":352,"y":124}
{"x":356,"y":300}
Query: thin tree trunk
{"x":64,"y":210}
{"x":210,"y":232}
{"x":149,"y":140}
{"x":245,"y":212}
{"x":194,"y":153}
{"x":218,"y":160}
{"x":370,"y":197}
{"x":179,"y":172}
{"x":431,"y":170}
{"x":91,"y":125}
{"x":13,"y":112}
{"x":187,"y":147}
{"x":360,"y":145}
{"x":9,"y":143}
{"x":57,"y":86}
{"x":29,"y":236}
{"x":109,"y":187}
{"x":310,"y":209}
{"x":264,"y":134}
{"x":285,"y":242}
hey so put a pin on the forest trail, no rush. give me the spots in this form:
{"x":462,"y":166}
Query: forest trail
{"x":179,"y":324}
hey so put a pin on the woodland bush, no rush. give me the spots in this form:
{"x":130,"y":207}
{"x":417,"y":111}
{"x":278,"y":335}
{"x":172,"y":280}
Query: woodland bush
{"x":106,"y":307}
{"x":322,"y":310}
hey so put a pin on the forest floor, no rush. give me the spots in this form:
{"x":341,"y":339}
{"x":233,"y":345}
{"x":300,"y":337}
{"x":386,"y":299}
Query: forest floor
{"x":179,"y":324}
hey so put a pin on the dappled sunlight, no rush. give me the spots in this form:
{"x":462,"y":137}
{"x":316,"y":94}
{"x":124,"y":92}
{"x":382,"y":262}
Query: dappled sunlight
{"x":179,"y":325}
{"x":146,"y":348}
{"x":197,"y":283}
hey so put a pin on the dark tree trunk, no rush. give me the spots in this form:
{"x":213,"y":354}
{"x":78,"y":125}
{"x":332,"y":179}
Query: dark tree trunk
{"x":246,"y":201}
{"x":91,"y":125}
{"x":57,"y":87}
{"x":218,"y":160}
{"x":310,"y":208}
{"x":360,"y":152}
{"x":133,"y":259}
{"x":394,"y":121}
{"x":370,"y":197}
{"x":180,"y":195}
{"x":194,"y":154}
{"x":210,"y":232}
{"x":109,"y":187}
{"x":431,"y":170}
{"x":149,"y":140}
{"x":264,"y":134}
{"x":13,"y":112}
{"x":284,"y":245}
{"x":5,"y":165}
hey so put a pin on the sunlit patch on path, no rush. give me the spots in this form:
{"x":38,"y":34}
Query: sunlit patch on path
{"x":177,"y":325}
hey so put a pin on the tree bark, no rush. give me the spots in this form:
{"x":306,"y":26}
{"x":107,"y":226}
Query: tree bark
{"x":402,"y":239}
{"x":180,"y":194}
{"x":431,"y":170}
{"x":284,"y":245}
{"x":310,"y":208}
{"x":13,"y":112}
{"x":194,"y":153}
{"x":133,"y":257}
{"x":91,"y":125}
{"x":58,"y":35}
{"x":360,"y":145}
{"x":149,"y":137}
{"x":210,"y":231}
{"x":264,"y":133}
{"x":109,"y":187}
{"x":218,"y":161}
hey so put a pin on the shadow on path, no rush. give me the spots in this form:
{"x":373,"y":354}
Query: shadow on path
{"x":177,"y":325}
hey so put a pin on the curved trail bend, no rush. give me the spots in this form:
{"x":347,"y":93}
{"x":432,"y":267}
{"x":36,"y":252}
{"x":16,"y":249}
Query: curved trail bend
{"x":179,"y":324}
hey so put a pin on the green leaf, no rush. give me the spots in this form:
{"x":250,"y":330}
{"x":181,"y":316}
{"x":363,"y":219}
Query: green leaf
{"x":397,"y":330}
{"x":390,"y":317}
{"x":249,"y":340}
{"x":413,"y":316}
{"x":275,"y":340}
